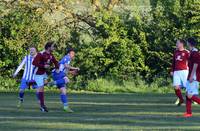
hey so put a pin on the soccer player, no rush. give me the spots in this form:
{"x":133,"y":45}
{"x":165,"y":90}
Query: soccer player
{"x":179,"y":69}
{"x":61,"y":79}
{"x":192,"y":85}
{"x":28,"y":75}
{"x":42,"y":62}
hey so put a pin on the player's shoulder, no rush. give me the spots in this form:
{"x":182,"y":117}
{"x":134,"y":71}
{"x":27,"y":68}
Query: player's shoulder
{"x":195,"y":50}
{"x":66,"y":59}
{"x":25,"y":57}
{"x":42,"y":52}
{"x":187,"y":51}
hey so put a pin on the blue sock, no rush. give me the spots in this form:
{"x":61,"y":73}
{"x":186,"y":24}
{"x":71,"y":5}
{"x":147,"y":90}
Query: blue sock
{"x":60,"y":81}
{"x":64,"y":99}
{"x":21,"y":96}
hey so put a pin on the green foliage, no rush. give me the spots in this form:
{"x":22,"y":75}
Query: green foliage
{"x":130,"y":86}
{"x":117,"y":43}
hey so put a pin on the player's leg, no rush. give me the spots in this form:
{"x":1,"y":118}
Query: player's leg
{"x":188,"y":112}
{"x":177,"y":87}
{"x":192,"y":95}
{"x":183,"y":76}
{"x":39,"y":79}
{"x":64,"y":99}
{"x":34,"y":86}
{"x":23,"y":86}
{"x":59,"y":79}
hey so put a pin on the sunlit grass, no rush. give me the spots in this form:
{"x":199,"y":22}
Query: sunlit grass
{"x":97,"y":111}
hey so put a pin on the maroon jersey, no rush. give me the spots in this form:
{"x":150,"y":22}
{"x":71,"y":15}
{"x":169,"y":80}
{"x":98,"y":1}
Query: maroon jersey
{"x":44,"y":58}
{"x":180,"y":60}
{"x":194,"y":59}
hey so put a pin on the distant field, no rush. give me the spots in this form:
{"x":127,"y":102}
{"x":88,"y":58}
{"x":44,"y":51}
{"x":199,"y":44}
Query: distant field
{"x":97,"y":111}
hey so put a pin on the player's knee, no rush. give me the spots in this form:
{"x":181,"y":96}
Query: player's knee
{"x":40,"y":89}
{"x":63,"y":90}
{"x":189,"y":96}
{"x":66,"y":79}
{"x":177,"y":87}
{"x":21,"y":90}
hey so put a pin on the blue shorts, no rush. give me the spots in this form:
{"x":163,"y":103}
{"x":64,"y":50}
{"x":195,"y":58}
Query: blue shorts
{"x":25,"y":84}
{"x":58,"y":76}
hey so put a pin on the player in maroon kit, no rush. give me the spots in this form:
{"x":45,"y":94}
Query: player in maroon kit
{"x":42,"y":62}
{"x":192,"y":86}
{"x":179,"y":69}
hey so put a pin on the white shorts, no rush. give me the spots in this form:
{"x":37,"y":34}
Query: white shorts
{"x":192,"y":88}
{"x":180,"y":78}
{"x":39,"y":79}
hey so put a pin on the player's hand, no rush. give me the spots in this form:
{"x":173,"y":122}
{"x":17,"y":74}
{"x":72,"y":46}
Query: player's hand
{"x":74,"y":72}
{"x":46,"y":66}
{"x":171,"y":73}
{"x":191,"y":79}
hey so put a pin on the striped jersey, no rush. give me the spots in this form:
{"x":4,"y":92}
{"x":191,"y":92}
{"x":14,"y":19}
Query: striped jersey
{"x":29,"y":68}
{"x":65,"y":60}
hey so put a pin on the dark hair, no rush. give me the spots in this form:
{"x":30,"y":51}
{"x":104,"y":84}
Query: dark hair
{"x":192,"y":41}
{"x":49,"y":44}
{"x":182,"y":41}
{"x":69,"y":50}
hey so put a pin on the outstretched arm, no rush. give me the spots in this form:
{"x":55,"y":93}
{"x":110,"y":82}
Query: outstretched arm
{"x":19,"y":67}
{"x":68,"y":67}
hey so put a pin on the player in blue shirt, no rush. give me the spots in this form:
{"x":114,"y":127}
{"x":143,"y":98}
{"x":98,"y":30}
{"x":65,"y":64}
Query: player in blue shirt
{"x":61,"y":79}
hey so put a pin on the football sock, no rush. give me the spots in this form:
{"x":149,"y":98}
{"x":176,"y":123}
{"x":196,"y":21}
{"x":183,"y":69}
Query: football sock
{"x":41,"y":97}
{"x":21,"y":95}
{"x":188,"y":105}
{"x":64,"y":99}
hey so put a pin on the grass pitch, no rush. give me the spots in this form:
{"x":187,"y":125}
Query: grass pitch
{"x":97,"y":112}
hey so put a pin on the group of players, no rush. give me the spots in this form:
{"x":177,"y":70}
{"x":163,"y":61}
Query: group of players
{"x":35,"y":73}
{"x":186,"y":73}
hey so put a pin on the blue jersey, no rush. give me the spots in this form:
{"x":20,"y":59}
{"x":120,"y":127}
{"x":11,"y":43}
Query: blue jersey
{"x":65,"y":60}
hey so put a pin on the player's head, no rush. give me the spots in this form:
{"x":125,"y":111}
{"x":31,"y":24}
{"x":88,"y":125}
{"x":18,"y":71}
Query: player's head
{"x":50,"y":46}
{"x":180,"y":44}
{"x":32,"y":50}
{"x":191,"y":42}
{"x":71,"y":53}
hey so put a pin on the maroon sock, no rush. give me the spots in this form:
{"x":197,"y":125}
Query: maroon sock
{"x":188,"y":105}
{"x":196,"y":99}
{"x":41,"y":97}
{"x":179,"y":94}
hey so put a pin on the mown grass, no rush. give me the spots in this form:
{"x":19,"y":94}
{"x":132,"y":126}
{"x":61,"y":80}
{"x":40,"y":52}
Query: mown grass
{"x":135,"y":111}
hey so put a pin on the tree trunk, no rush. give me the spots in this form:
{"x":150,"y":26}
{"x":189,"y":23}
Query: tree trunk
{"x":96,"y":5}
{"x":111,"y":4}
